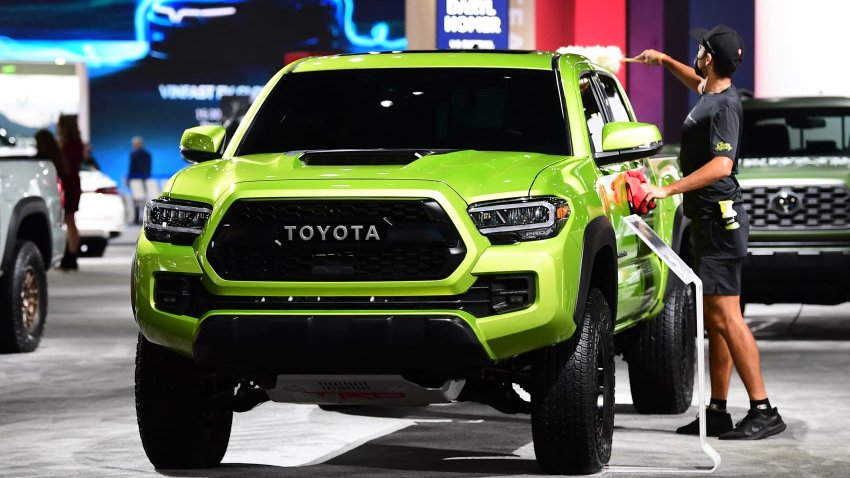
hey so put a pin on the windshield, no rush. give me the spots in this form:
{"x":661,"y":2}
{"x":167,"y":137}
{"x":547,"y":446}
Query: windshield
{"x":425,"y":108}
{"x":796,"y":132}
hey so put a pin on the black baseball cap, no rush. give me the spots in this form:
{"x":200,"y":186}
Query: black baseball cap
{"x":722,"y":42}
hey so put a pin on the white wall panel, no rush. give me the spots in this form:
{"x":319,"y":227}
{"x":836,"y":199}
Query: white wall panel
{"x":802,"y":48}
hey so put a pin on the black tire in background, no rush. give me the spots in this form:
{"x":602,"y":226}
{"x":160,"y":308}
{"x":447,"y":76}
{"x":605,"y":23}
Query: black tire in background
{"x":92,"y":247}
{"x":661,"y":355}
{"x":23,"y":300}
{"x":178,"y":423}
{"x":572,"y":414}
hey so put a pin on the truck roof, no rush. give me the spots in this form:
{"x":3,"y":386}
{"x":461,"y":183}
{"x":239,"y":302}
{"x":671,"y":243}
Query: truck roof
{"x":535,"y":60}
{"x":797,"y":102}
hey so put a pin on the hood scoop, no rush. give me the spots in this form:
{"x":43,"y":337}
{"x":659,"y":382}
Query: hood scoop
{"x":365,"y":157}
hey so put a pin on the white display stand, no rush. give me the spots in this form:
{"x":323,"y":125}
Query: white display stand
{"x":687,"y":275}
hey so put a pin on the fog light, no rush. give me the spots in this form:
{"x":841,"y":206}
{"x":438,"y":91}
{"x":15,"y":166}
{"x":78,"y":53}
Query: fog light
{"x":509,"y":293}
{"x":172,"y":293}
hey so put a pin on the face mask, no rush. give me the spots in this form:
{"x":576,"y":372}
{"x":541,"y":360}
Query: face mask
{"x":697,"y":69}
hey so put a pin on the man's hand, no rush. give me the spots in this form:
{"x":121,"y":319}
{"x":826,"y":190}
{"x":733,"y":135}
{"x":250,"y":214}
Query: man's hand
{"x":654,"y":192}
{"x":651,"y":57}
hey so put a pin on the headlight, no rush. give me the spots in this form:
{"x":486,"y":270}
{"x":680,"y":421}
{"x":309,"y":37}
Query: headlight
{"x":177,"y":222}
{"x":520,"y":220}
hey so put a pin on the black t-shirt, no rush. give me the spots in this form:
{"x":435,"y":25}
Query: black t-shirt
{"x":713,"y":128}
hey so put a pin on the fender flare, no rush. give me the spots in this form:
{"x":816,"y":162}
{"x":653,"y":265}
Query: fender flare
{"x":598,"y":235}
{"x":680,"y":223}
{"x":31,"y":206}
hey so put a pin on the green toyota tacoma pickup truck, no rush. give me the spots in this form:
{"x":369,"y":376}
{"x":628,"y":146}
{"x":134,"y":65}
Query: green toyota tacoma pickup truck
{"x":795,"y":178}
{"x":406,"y":229}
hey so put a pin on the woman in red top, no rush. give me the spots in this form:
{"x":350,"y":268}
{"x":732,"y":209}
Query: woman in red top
{"x":72,"y":150}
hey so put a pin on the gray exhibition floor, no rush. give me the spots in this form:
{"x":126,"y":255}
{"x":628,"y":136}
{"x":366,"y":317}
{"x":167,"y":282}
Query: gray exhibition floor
{"x":67,"y":409}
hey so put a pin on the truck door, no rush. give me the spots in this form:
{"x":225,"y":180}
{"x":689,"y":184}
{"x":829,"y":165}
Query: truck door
{"x":638,"y":268}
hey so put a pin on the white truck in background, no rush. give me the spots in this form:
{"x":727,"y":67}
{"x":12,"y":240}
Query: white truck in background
{"x":32,"y":240}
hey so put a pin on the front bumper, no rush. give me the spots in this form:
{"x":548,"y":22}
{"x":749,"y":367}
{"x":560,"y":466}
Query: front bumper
{"x":384,"y":339}
{"x":339,"y":344}
{"x":804,"y":272}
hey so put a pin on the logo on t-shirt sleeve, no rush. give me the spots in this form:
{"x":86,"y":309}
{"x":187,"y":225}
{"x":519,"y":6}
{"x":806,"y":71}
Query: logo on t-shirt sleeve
{"x":722,"y":147}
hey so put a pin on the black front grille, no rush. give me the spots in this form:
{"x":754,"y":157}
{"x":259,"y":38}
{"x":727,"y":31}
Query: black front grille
{"x":390,"y":344}
{"x":798,"y":207}
{"x":335,"y":240}
{"x":488,"y":295}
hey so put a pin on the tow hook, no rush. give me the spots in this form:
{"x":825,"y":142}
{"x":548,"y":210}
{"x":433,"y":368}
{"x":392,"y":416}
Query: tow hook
{"x":243,"y":397}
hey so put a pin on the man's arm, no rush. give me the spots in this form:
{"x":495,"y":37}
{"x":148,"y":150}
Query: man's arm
{"x":719,"y":167}
{"x":681,"y":71}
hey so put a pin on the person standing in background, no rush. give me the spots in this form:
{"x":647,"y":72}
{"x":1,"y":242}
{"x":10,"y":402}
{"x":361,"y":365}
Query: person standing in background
{"x":140,"y":171}
{"x":47,"y":148}
{"x":72,"y":150}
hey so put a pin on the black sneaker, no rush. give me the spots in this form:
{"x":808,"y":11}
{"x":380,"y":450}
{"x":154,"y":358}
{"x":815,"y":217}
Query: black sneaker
{"x":716,"y":424}
{"x":756,"y":425}
{"x":69,"y":262}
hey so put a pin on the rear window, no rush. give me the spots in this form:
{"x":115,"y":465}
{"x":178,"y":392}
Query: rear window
{"x":796,"y":132}
{"x":425,"y":108}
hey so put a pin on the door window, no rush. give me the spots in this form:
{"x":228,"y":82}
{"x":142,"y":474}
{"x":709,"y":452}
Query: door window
{"x":592,"y":112}
{"x":619,"y":111}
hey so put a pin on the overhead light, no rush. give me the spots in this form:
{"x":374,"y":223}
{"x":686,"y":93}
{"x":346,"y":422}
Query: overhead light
{"x":177,"y":15}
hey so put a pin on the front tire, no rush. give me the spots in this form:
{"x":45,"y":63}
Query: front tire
{"x":661,"y":355}
{"x":23,"y":300}
{"x":572,"y":414}
{"x":179,"y":425}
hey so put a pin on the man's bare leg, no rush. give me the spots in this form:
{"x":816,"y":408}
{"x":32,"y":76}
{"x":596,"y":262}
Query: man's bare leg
{"x":719,"y":363}
{"x":720,"y":367}
{"x":723,"y":317}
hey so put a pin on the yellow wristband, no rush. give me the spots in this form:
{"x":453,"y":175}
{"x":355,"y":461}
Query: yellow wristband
{"x":661,"y":59}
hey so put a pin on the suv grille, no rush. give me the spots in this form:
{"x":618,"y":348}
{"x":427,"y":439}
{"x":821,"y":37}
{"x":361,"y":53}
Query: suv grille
{"x":824,"y":206}
{"x":335,"y":240}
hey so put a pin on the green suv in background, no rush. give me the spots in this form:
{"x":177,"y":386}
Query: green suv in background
{"x":406,"y":229}
{"x":795,"y":176}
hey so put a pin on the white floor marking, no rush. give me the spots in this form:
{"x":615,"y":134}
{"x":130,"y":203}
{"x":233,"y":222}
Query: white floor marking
{"x":298,"y":435}
{"x":525,"y":452}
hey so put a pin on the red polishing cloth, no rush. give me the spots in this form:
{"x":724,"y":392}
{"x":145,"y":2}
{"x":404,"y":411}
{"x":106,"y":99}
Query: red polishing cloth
{"x":635,"y":193}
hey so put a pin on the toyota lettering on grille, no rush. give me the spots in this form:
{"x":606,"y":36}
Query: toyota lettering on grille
{"x":355,"y":232}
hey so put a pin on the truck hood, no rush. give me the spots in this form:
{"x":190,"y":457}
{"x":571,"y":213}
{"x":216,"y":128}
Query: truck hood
{"x":794,"y":168}
{"x":474,"y":175}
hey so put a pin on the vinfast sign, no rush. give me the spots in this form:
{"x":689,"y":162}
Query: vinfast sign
{"x":470,"y":24}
